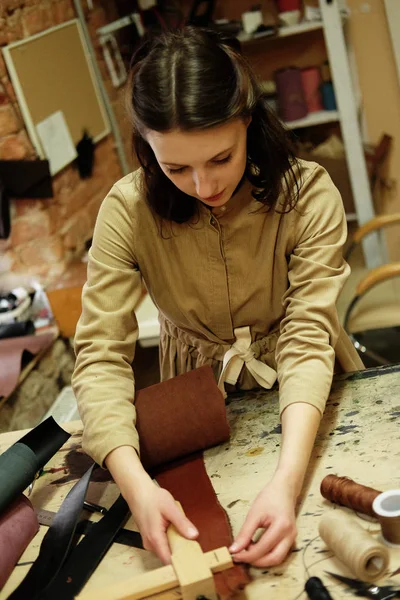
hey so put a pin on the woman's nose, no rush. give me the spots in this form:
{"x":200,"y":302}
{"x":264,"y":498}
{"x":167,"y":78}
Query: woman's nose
{"x":205,"y":186}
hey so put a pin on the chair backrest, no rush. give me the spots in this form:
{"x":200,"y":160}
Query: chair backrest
{"x":66,"y":304}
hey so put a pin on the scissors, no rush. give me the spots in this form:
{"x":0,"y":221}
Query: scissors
{"x":369,"y":590}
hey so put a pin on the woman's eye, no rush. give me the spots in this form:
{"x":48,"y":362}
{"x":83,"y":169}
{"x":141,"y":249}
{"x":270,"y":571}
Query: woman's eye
{"x":221,"y":161}
{"x":176,"y":171}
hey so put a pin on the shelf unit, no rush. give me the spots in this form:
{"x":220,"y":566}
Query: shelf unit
{"x":282,"y":32}
{"x":346,"y":114}
{"x":315,"y":118}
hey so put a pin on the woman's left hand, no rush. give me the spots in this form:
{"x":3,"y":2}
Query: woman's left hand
{"x":274,"y":511}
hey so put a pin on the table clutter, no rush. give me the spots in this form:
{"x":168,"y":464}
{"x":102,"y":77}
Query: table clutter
{"x":340,"y":546}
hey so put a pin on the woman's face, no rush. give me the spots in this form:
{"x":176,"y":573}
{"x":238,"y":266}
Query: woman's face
{"x":207,"y":164}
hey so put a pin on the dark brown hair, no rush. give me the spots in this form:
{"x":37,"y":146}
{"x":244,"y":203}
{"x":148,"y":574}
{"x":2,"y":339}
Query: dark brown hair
{"x":195,"y":79}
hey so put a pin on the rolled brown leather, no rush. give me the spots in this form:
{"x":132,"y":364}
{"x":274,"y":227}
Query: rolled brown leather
{"x":179,"y":417}
{"x":18,"y":526}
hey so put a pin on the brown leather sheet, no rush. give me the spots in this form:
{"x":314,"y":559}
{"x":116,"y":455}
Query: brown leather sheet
{"x":188,"y":482}
{"x":18,"y":526}
{"x":11,"y":350}
{"x":176,"y":419}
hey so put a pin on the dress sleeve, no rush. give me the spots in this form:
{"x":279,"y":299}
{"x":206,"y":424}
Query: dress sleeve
{"x":317,"y":272}
{"x":106,"y":334}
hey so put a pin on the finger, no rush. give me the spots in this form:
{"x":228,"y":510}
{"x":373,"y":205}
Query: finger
{"x":178,"y":518}
{"x":159,"y":545}
{"x":276,"y":556}
{"x":265,"y":544}
{"x":277,"y":532}
{"x":244,"y":537}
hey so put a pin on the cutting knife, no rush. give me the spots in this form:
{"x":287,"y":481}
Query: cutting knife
{"x":124,"y":536}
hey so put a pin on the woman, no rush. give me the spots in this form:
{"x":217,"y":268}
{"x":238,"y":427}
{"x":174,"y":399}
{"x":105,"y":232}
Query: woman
{"x":239,"y":244}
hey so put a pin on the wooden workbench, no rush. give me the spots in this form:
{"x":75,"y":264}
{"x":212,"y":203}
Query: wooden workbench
{"x":359,"y":437}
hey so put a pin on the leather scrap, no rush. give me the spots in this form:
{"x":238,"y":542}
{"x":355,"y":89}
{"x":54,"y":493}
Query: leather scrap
{"x":11,"y":350}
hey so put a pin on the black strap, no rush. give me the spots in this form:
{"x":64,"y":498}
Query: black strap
{"x":84,"y":559}
{"x":47,"y":577}
{"x":56,"y":543}
{"x":125,"y":537}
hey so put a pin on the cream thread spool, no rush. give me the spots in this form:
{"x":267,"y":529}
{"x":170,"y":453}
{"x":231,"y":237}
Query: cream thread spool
{"x":386,"y":506}
{"x":353,"y":545}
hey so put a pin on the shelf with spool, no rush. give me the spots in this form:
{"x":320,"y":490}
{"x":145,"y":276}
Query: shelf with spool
{"x":314,"y":118}
{"x":345,"y":81}
{"x":287,"y":31}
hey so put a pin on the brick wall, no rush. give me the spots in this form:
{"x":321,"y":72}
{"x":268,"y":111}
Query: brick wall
{"x":48,"y":233}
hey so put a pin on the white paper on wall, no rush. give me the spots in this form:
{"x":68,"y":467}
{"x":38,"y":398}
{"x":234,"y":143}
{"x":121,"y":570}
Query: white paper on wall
{"x":56,"y":141}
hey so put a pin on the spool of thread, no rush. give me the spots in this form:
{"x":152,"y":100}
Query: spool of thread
{"x":326,"y":72}
{"x":345,"y":491}
{"x":328,"y":96}
{"x":387,"y":508}
{"x":311,"y":81}
{"x":353,"y":545}
{"x":316,"y":590}
{"x":288,"y":5}
{"x":292,"y":104}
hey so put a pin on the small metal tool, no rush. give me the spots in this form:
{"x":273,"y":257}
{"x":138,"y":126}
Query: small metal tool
{"x":369,"y":590}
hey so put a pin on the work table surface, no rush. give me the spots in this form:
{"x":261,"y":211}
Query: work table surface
{"x":359,"y":437}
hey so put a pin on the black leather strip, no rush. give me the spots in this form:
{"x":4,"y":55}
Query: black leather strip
{"x":61,"y":571}
{"x":126,"y":537}
{"x":55,"y":545}
{"x":86,"y":556}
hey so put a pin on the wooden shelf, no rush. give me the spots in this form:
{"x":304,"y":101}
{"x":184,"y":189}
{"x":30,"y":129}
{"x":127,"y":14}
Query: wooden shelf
{"x":315,"y":118}
{"x":282,"y":32}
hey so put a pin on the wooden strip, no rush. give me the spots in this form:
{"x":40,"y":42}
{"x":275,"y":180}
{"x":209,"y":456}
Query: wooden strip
{"x":154,"y":582}
{"x":194,"y":575}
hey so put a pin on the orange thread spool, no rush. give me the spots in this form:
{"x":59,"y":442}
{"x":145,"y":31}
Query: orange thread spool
{"x":345,"y":491}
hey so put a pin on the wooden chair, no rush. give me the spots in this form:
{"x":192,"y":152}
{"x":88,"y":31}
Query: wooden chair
{"x":373,"y":316}
{"x":65,"y":298}
{"x":66,"y":306}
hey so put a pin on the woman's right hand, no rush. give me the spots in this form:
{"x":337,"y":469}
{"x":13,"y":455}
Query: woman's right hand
{"x":152,"y":507}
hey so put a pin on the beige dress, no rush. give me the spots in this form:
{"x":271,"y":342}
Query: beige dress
{"x":248,"y":291}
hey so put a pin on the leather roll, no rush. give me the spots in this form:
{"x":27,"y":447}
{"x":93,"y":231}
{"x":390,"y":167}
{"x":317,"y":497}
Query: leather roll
{"x":18,"y":526}
{"x":179,"y":417}
{"x":20,"y":463}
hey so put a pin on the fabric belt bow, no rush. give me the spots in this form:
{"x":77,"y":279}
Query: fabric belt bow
{"x":241,"y":354}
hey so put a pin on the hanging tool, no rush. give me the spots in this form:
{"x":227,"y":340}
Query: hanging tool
{"x":369,"y":590}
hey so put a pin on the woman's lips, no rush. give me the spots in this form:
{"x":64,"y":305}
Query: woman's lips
{"x":214,"y":198}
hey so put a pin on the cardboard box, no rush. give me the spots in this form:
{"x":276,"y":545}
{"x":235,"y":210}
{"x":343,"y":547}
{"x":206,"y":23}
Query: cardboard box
{"x":337,"y":169}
